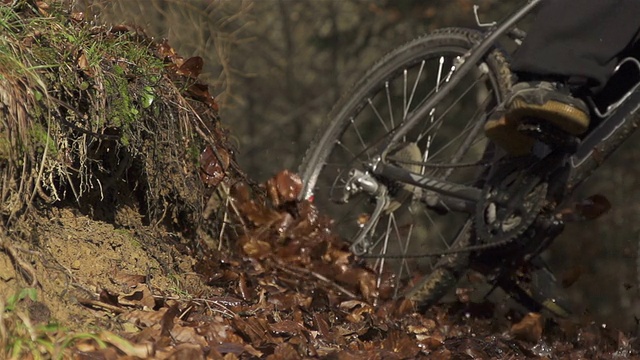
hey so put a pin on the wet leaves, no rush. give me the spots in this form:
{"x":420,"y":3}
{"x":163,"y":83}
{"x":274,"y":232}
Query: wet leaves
{"x":190,"y":69}
{"x":213,"y":165}
{"x":291,"y":290}
{"x":529,"y":328}
{"x":590,"y":208}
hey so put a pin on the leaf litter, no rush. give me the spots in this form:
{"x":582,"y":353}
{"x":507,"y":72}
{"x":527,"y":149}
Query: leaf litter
{"x":290,"y":289}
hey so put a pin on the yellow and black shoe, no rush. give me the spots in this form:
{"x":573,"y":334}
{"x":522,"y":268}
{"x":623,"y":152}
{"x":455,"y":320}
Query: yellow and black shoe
{"x":535,"y":100}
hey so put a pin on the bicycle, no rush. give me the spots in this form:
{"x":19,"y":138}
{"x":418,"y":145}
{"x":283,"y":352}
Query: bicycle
{"x":403,"y":165}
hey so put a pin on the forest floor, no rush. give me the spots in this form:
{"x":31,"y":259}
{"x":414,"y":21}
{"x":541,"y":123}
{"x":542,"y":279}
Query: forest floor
{"x":171,"y":253}
{"x":287,"y":288}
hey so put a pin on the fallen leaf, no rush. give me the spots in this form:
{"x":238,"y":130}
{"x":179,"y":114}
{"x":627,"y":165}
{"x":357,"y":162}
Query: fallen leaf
{"x":286,"y":327}
{"x":77,"y":16}
{"x":257,"y":248}
{"x":284,"y":187}
{"x":192,"y":67}
{"x":213,"y":165}
{"x":141,"y":296}
{"x":128,"y":280}
{"x":590,"y":208}
{"x":529,"y":328}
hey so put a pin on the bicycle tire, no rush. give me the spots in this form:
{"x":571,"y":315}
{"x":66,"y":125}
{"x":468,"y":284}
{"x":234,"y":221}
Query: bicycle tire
{"x":440,"y":44}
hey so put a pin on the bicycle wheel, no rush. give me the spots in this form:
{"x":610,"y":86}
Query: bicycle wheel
{"x":449,"y":143}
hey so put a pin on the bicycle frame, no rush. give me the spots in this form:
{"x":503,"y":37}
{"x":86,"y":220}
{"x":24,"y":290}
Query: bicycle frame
{"x":556,"y":171}
{"x":460,"y":197}
{"x":590,"y":153}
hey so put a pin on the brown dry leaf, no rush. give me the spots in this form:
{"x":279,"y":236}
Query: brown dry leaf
{"x":144,"y":318}
{"x":141,"y":296}
{"x":401,"y":345}
{"x":192,"y":67}
{"x":165,"y":50}
{"x":284,"y":187}
{"x":256,"y":330}
{"x":186,"y":352}
{"x":320,"y":322}
{"x":82,"y":62}
{"x":338,"y":256}
{"x":529,"y":328}
{"x":356,"y":309}
{"x":108,"y":298}
{"x":590,"y":208}
{"x":188,"y":334}
{"x":430,"y":342}
{"x":168,"y":320}
{"x":286,"y":327}
{"x":142,"y":350}
{"x":201,"y":93}
{"x":257,"y":248}
{"x":284,"y":351}
{"x":128,"y":280}
{"x":77,"y":16}
{"x":229,"y":347}
{"x":426,"y":328}
{"x":368,"y":287}
{"x":43,"y":8}
{"x":213,"y":165}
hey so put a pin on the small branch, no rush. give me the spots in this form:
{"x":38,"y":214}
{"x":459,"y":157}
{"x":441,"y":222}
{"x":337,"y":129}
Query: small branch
{"x":294,"y":270}
{"x":99,"y":304}
{"x":24,"y":266}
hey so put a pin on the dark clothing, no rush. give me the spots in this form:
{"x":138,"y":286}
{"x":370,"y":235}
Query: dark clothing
{"x":578,"y":40}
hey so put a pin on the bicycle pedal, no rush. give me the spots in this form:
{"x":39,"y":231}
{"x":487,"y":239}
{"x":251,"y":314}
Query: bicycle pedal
{"x":548,"y":134}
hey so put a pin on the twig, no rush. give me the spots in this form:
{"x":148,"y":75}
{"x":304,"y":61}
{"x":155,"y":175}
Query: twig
{"x":236,"y":211}
{"x":219,"y":302}
{"x":224,"y":221}
{"x":100,"y":304}
{"x":294,"y":270}
{"x":24,"y":266}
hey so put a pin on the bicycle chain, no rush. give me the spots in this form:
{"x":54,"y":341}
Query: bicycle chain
{"x":534,"y":199}
{"x":511,"y":201}
{"x":494,"y":192}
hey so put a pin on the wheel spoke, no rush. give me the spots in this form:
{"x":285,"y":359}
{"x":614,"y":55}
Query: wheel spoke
{"x":389,"y":106}
{"x":445,"y":145}
{"x":364,"y":145}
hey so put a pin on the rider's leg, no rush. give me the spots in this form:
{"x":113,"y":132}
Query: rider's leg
{"x":572,"y":48}
{"x":579,"y":39}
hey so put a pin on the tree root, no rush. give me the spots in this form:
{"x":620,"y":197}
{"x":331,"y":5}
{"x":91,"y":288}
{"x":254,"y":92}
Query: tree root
{"x":25,"y":268}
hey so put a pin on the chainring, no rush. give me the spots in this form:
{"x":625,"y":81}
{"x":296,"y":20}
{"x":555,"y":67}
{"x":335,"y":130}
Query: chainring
{"x":511,"y":200}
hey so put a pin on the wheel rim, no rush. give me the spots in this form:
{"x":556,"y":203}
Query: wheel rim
{"x":451,"y":134}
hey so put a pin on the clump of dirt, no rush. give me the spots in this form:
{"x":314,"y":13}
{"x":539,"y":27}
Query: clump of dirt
{"x":113,"y":164}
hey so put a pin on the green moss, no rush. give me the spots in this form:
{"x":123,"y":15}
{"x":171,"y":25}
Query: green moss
{"x":41,"y":139}
{"x":5,"y":148}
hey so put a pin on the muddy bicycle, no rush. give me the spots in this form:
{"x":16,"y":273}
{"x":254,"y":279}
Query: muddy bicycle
{"x":404,"y":168}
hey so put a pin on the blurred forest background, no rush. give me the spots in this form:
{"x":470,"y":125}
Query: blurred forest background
{"x":278,"y":66}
